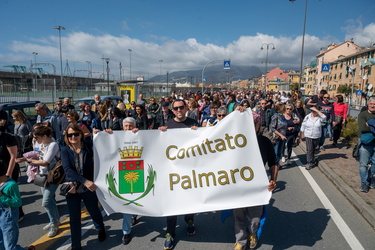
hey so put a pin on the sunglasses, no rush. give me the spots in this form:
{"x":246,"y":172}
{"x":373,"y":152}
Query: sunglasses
{"x":221,"y":115}
{"x":325,"y":97}
{"x":75,"y":134}
{"x":178,"y":108}
{"x":289,"y":109}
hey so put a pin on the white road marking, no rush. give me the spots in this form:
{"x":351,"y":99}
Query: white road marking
{"x":340,"y":223}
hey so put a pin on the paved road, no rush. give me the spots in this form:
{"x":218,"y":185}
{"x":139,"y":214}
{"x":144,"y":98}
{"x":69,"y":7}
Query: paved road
{"x":306,"y":212}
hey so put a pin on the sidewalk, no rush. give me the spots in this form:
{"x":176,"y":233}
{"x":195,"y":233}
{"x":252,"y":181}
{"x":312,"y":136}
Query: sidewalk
{"x":342,"y":169}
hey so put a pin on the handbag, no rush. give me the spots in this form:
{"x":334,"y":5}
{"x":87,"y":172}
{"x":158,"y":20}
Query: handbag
{"x":41,"y":180}
{"x":57,"y":174}
{"x":338,"y":119}
{"x":64,"y":189}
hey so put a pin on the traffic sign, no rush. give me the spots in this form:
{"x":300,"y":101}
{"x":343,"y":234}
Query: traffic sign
{"x":358,"y":92}
{"x":226,"y":64}
{"x":204,"y":79}
{"x":326,"y":67}
{"x":239,"y":79}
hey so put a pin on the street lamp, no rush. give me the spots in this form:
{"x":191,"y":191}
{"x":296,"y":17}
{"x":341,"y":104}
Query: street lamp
{"x":61,"y":72}
{"x":161,"y":63}
{"x":303,"y":45}
{"x":130,"y":64}
{"x":107,"y":61}
{"x":267,"y":45}
{"x":89,"y":65}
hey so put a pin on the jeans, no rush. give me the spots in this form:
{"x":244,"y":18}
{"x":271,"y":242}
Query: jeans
{"x":279,"y":149}
{"x":366,"y":156}
{"x":74,"y":206}
{"x":127,"y":223}
{"x":49,"y":203}
{"x":326,"y":129}
{"x":9,"y":230}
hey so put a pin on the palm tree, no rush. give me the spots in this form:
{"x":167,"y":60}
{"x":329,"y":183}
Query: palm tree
{"x":131,"y":177}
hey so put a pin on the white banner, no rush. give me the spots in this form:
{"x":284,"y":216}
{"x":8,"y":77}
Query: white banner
{"x":181,"y":171}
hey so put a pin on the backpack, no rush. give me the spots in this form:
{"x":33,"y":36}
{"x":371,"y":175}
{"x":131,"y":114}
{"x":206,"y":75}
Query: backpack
{"x":57,"y":174}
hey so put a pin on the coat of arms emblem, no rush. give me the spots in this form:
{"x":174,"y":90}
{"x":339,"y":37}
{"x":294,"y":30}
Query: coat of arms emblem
{"x":131,"y":176}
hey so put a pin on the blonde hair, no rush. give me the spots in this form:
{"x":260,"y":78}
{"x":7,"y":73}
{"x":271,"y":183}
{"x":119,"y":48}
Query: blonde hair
{"x":21,"y":118}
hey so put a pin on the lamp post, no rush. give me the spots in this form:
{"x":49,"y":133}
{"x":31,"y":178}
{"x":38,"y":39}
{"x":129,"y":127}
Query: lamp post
{"x":130,"y":63}
{"x":161,"y":63}
{"x":107,"y":61}
{"x":89,"y":65}
{"x":36,"y":72}
{"x":61,"y":72}
{"x":303,"y":44}
{"x":267,"y":45}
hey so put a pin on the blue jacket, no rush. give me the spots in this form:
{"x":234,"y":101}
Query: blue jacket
{"x":68,"y":161}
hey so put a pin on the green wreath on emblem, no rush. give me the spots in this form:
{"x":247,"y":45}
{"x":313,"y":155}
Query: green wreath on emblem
{"x":111,"y":181}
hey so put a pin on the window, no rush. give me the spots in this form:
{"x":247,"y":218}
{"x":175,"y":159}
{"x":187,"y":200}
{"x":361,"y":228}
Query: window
{"x":340,"y":76}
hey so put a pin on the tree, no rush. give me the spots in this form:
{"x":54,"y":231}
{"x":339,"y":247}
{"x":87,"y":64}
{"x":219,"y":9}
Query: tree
{"x":346,"y":89}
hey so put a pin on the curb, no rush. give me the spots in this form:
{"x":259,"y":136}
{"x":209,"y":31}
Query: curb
{"x":367,"y":212}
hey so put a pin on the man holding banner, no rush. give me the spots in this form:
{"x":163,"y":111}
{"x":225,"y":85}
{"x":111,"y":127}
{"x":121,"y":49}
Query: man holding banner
{"x":247,"y":219}
{"x":180,"y":120}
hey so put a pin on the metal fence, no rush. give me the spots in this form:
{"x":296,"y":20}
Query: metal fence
{"x":44,"y":90}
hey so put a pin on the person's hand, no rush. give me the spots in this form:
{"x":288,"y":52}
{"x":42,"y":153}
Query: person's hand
{"x":283,"y":137}
{"x":343,"y":122}
{"x":333,"y":124}
{"x":194,"y":127}
{"x":272,"y":185}
{"x":163,"y":128}
{"x":109,"y":131}
{"x":135,"y":130}
{"x":241,"y":108}
{"x":19,"y":160}
{"x":90,"y":185}
{"x":95,"y":130}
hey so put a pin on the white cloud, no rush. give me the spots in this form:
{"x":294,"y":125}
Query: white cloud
{"x":79,"y":47}
{"x":363,"y":36}
{"x":124,"y":25}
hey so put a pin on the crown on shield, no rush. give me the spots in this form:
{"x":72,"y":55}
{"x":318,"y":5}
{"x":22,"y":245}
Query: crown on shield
{"x":130,"y":152}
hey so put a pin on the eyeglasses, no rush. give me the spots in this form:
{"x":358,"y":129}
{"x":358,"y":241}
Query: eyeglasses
{"x":179,"y":107}
{"x":289,"y":109}
{"x":262,"y":103}
{"x":221,"y":115}
{"x":325,"y":97}
{"x":75,"y":134}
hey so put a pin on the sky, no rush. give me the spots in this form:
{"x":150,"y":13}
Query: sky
{"x":175,"y":35}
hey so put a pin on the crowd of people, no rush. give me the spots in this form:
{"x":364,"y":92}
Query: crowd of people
{"x":281,"y":121}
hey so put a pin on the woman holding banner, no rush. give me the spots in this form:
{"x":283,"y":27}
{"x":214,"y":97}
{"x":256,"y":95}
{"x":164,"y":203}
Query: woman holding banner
{"x":78,"y":163}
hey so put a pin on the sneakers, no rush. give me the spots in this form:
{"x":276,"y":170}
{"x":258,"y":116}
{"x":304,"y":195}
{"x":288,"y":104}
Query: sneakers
{"x":283,"y":159}
{"x":102,"y":235}
{"x":288,"y":162}
{"x":364,"y":188}
{"x":308,"y":167}
{"x":238,"y":246}
{"x":126,"y":239}
{"x":253,"y":241}
{"x":48,"y":226}
{"x":168,"y":243}
{"x":190,"y":228}
{"x":53,"y":230}
{"x":322,"y":148}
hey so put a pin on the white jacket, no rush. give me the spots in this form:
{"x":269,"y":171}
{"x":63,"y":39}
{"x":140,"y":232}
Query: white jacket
{"x":312,"y":126}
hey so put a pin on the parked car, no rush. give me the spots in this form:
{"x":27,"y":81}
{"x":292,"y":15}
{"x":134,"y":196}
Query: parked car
{"x":90,"y":100}
{"x":28,"y":108}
